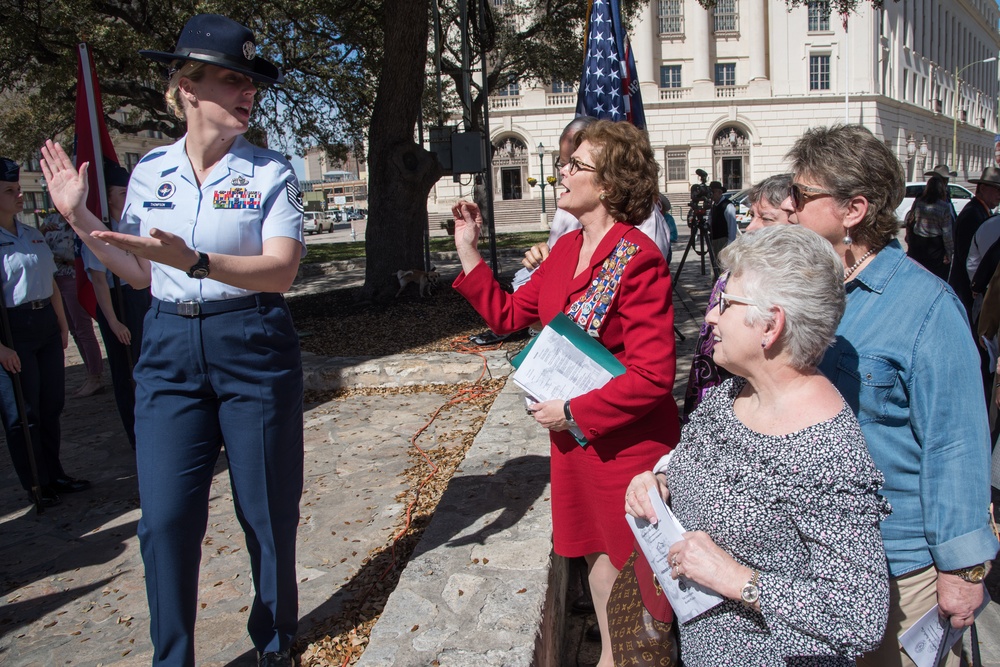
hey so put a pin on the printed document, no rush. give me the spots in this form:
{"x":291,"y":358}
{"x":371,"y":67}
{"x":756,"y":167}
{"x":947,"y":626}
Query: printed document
{"x":931,"y":637}
{"x":686,"y":597}
{"x":555,"y":368}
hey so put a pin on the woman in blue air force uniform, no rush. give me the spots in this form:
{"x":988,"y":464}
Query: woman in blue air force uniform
{"x":40,"y":334}
{"x":219,"y":238}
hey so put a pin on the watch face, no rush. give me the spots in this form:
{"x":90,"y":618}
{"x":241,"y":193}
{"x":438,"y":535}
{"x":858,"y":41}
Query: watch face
{"x":975,"y":574}
{"x":750,"y":593}
{"x":200,"y":273}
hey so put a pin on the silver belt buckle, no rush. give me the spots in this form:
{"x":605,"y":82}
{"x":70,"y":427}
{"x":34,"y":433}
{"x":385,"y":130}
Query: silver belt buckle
{"x":188,"y":308}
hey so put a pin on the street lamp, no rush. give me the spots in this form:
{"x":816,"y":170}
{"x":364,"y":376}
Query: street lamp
{"x":541,"y":164}
{"x":954,"y":120}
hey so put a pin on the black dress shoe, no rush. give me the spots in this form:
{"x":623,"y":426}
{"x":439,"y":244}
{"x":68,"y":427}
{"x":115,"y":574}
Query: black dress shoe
{"x":275,"y":659}
{"x":69,"y":484}
{"x":47,"y":497}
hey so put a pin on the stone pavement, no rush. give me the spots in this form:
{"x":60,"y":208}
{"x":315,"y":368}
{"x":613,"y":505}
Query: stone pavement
{"x":71,"y":582}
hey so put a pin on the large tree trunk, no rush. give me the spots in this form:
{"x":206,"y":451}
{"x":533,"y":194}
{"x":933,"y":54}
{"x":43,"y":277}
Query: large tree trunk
{"x":402,"y":173}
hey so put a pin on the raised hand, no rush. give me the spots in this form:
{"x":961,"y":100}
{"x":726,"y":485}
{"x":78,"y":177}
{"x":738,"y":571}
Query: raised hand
{"x":67,"y":186}
{"x":468,"y":225}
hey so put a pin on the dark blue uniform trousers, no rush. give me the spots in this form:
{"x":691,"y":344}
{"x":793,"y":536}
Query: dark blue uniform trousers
{"x":136,"y":305}
{"x":38,"y":344}
{"x":233,"y":378}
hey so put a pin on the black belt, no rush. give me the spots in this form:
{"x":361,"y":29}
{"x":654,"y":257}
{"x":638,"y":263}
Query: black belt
{"x":200,"y":308}
{"x":32,"y":305}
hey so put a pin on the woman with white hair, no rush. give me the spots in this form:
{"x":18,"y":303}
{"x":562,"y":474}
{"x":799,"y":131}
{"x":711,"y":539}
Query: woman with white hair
{"x":772,"y":478}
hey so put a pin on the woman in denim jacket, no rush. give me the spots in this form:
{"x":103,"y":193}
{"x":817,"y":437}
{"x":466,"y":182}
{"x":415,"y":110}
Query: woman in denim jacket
{"x":905,"y":363}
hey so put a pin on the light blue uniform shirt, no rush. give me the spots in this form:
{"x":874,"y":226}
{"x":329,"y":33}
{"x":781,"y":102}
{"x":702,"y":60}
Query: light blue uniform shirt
{"x":28,"y":266}
{"x":90,"y":261}
{"x":251,"y":195}
{"x":905,"y":362}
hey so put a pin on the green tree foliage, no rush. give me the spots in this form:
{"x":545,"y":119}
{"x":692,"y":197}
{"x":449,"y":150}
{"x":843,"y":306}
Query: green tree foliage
{"x":326,"y":48}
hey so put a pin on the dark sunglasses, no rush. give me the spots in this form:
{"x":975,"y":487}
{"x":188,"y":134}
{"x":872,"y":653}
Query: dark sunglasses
{"x":801,"y":194}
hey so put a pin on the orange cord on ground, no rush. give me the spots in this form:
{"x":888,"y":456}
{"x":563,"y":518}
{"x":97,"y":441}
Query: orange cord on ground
{"x":466,"y":395}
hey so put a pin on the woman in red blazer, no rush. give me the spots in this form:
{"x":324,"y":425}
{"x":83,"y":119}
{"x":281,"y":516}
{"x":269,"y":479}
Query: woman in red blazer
{"x":614,"y":283}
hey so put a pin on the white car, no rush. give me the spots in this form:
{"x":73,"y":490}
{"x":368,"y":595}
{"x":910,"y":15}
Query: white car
{"x":741,"y":202}
{"x":959,"y":198}
{"x":313,"y":221}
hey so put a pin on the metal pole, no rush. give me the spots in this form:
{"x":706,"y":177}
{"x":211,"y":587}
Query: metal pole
{"x":541,"y":181}
{"x":488,"y":176}
{"x":98,"y":167}
{"x":22,"y":411}
{"x":954,"y":120}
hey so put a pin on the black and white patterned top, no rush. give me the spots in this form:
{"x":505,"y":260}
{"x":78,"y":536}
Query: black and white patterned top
{"x":803,"y":509}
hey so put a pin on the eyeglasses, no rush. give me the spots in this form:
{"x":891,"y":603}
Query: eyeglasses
{"x":726,"y":300}
{"x":576,"y":165}
{"x":800,"y":194}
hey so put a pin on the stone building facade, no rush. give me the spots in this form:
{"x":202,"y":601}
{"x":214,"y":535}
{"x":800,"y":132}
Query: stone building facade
{"x":729,"y":90}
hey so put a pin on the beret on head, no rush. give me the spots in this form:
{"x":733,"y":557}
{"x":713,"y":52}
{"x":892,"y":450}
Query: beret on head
{"x":115,"y":175}
{"x":10,"y":171}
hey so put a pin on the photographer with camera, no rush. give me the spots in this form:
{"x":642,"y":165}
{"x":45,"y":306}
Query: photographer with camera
{"x":722,"y":218}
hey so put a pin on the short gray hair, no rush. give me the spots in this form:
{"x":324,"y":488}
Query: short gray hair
{"x":797,"y":269}
{"x":773,"y":190}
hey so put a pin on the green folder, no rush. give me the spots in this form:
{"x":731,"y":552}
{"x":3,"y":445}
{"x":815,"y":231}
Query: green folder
{"x":589,"y":345}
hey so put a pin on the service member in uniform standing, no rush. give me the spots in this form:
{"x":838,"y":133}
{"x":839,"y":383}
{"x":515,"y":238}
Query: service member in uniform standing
{"x":220,"y":237}
{"x":35,"y":358}
{"x":120,"y":322}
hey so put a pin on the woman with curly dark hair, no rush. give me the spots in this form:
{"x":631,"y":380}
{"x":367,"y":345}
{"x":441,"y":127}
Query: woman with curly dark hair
{"x":613,"y":282}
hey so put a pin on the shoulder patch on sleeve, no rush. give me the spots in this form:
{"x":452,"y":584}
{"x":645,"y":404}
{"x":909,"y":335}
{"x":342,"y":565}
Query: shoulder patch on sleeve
{"x":294,"y":195}
{"x":149,"y":157}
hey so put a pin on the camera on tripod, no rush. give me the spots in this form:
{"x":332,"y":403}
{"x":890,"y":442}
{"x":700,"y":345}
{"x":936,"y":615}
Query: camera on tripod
{"x":701,"y":201}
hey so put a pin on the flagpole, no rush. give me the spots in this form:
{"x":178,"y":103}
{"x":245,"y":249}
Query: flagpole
{"x":98,"y":170}
{"x":98,"y":166}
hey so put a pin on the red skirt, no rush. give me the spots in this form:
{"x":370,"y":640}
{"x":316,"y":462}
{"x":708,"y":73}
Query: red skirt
{"x":588,"y":494}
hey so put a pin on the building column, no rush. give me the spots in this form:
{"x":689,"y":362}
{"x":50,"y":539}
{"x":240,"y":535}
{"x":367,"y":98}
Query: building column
{"x":755,"y":13}
{"x":698,"y":35}
{"x":646,"y":59}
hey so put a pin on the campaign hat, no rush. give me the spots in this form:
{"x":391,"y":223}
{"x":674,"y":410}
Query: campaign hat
{"x":991,"y":176}
{"x":943,"y":171}
{"x":219,"y":40}
{"x":10,"y":171}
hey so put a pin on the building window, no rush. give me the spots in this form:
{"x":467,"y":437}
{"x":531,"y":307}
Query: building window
{"x":819,"y":72}
{"x":563,"y":87}
{"x":509,"y":89}
{"x":725,"y":74}
{"x":677,"y":166}
{"x":726,"y":16}
{"x":131,"y":159}
{"x":819,"y":16}
{"x":671,"y":17}
{"x":670,"y":76}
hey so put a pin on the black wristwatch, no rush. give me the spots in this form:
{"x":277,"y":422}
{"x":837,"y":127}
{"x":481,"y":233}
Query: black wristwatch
{"x":201,"y":268}
{"x":568,"y":415}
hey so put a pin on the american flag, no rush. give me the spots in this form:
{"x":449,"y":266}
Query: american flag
{"x":609,"y":87}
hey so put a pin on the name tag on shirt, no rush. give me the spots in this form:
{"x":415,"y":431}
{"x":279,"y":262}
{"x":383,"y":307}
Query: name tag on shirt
{"x":238,"y":198}
{"x":157,"y":204}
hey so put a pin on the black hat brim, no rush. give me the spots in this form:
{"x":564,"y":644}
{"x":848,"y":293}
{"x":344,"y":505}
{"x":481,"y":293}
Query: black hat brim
{"x":263,"y":71}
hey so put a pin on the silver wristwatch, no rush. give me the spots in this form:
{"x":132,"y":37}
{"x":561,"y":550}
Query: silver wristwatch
{"x":751,"y":591}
